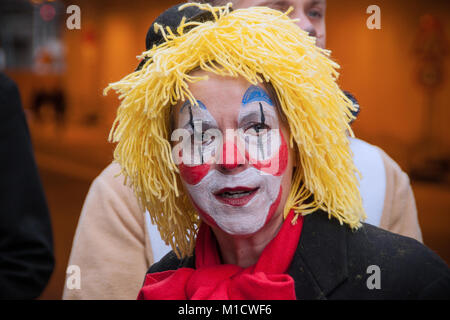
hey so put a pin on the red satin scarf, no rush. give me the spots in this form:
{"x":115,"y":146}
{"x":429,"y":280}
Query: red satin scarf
{"x":211,"y":280}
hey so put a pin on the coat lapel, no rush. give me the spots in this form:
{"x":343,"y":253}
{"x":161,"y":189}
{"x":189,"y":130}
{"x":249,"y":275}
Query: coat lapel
{"x":320,"y":261}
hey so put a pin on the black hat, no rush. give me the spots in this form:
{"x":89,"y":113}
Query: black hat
{"x":171,"y":18}
{"x":355,"y":112}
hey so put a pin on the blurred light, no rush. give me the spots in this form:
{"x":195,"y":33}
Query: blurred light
{"x":47,"y":12}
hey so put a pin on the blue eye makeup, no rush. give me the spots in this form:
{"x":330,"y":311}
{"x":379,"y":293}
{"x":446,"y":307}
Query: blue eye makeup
{"x":255,"y":93}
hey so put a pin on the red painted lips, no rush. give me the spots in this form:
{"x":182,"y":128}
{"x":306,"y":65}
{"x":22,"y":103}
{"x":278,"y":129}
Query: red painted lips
{"x":236,"y":197}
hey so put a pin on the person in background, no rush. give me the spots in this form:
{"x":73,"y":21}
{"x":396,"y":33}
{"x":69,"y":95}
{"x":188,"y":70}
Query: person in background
{"x":113,"y":227}
{"x":26,"y":242}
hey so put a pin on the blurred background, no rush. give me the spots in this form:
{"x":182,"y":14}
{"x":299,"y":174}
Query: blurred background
{"x":399,"y":74}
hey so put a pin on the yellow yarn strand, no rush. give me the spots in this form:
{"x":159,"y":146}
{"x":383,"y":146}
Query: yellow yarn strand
{"x":259,"y":44}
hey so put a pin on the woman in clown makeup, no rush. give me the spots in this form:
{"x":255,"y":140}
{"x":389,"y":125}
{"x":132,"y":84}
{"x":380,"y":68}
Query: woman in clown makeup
{"x":233,"y":134}
{"x":236,"y":180}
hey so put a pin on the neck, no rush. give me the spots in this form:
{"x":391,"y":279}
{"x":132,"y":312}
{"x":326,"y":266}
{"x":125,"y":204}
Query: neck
{"x":244,"y":251}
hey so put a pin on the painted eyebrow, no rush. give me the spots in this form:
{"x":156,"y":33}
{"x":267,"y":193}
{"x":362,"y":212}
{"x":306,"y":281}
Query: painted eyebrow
{"x":188,"y":104}
{"x":190,"y":123}
{"x":263,"y":118}
{"x":191,"y":118}
{"x":255,"y":116}
{"x":255,"y":93}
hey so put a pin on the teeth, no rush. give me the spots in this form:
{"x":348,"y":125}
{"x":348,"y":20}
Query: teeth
{"x":235,"y":194}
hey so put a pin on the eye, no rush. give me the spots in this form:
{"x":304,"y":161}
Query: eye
{"x":257,"y":129}
{"x":315,"y":13}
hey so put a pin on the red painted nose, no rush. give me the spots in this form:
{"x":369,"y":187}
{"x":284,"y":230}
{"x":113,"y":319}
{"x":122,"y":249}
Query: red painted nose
{"x":231,"y":157}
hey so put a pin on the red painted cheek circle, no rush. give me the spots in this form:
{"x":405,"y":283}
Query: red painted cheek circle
{"x":275,"y":165}
{"x":193,"y":175}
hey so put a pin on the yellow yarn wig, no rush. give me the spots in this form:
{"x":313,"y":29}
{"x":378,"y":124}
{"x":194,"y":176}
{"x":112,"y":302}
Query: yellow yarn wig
{"x":261,"y":45}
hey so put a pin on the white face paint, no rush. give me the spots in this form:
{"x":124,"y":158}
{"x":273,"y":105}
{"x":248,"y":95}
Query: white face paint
{"x":238,"y":203}
{"x":236,"y":219}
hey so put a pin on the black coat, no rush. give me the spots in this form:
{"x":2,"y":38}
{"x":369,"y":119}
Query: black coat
{"x":332,"y":261}
{"x":26,"y":245}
